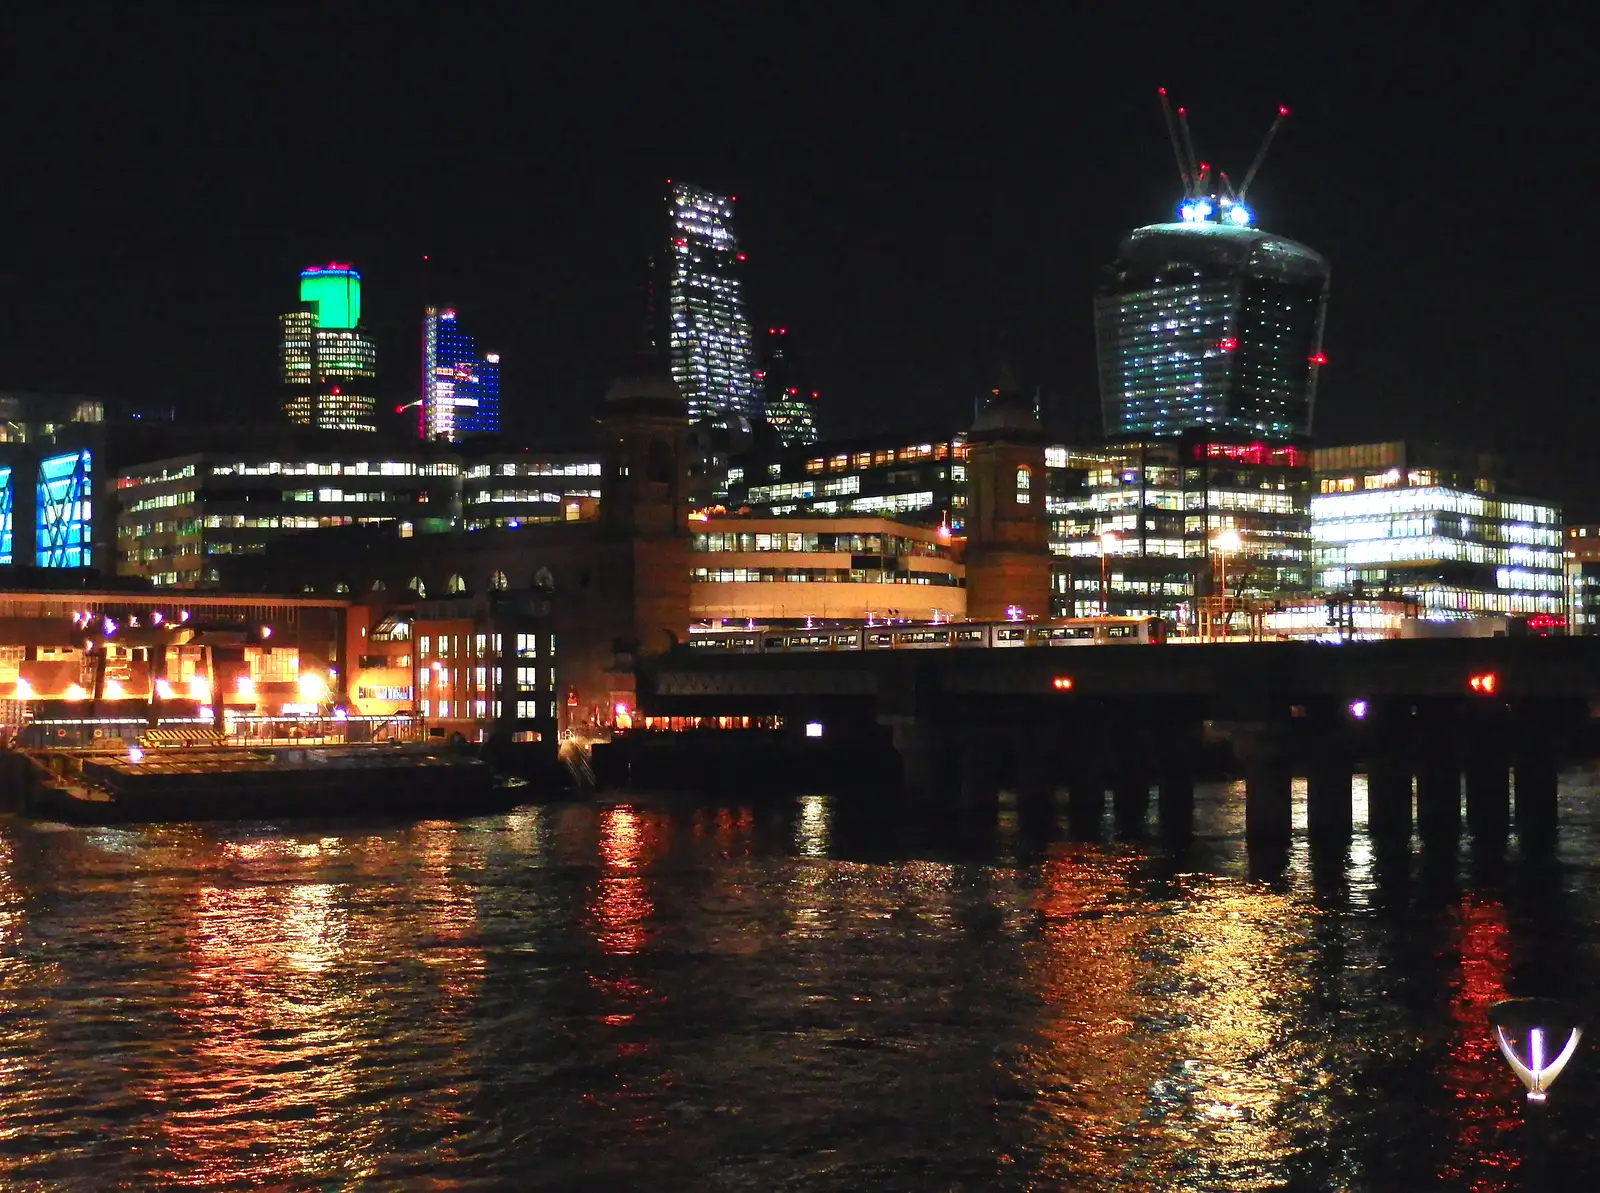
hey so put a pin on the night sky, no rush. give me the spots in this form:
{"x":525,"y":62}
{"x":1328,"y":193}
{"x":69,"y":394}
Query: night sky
{"x":916,"y":194}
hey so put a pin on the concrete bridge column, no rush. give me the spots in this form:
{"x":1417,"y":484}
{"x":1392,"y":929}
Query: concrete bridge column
{"x":1036,"y":773}
{"x":1330,"y":808}
{"x":1268,"y":814}
{"x":1175,"y":801}
{"x":1130,"y":800}
{"x":1536,"y":793}
{"x":1389,"y":799}
{"x":1086,"y":800}
{"x":1488,"y":792}
{"x":1439,"y":799}
{"x":925,"y":767}
{"x":979,"y":789}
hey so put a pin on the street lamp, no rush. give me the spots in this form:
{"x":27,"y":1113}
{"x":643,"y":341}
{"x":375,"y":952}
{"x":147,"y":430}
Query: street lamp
{"x":1225,"y":541}
{"x":1108,"y":539}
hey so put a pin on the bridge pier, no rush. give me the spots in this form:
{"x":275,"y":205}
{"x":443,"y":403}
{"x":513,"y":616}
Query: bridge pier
{"x":1130,"y":800}
{"x":1330,"y":801}
{"x":1086,"y":801}
{"x":1175,"y":802}
{"x":925,"y":771}
{"x":1036,"y":788}
{"x":1268,"y":811}
{"x":1439,"y":800}
{"x":979,"y":793}
{"x":1488,"y":793}
{"x":1536,"y":794}
{"x":1389,"y":800}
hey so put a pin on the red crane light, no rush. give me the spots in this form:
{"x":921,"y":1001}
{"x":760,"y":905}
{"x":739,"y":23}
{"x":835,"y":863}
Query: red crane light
{"x":1227,"y":345}
{"x":1318,"y":359}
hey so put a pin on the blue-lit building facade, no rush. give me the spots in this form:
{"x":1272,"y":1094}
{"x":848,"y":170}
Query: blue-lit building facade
{"x":708,"y":337}
{"x":1209,"y":322}
{"x":460,"y":386}
{"x":51,"y":515}
{"x":1439,"y":526}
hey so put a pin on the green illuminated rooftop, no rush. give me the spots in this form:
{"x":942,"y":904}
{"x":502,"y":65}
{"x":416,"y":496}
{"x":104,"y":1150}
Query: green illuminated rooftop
{"x":336,"y":289}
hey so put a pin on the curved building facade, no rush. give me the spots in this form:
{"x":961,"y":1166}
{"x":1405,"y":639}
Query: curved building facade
{"x":1210,"y":325}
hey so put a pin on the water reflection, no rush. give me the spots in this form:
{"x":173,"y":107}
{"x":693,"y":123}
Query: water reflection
{"x":811,"y":828}
{"x":683,"y":996}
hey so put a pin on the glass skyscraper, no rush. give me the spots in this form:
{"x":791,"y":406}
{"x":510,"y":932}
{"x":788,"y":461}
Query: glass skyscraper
{"x":460,"y":389}
{"x":708,"y":336}
{"x":330,"y":366}
{"x":1210,"y":323}
{"x":787,"y":405}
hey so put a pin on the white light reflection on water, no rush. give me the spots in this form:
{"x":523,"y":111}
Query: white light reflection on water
{"x":811,"y":826}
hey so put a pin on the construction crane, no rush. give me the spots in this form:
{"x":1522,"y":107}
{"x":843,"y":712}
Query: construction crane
{"x":1204,"y":200}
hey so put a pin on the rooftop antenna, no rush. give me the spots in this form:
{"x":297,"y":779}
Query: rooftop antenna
{"x":1177,"y":147}
{"x":1261,"y":154}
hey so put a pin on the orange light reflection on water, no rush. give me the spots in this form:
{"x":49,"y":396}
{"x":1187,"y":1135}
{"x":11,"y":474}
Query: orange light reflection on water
{"x":1167,"y":1043}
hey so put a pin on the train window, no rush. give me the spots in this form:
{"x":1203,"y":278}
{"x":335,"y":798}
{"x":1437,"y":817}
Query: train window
{"x":969,"y":635}
{"x":773,"y":643}
{"x":707,"y":642}
{"x":844,"y":639}
{"x":1008,"y":634}
{"x":880,"y":639}
{"x":1122,"y":631}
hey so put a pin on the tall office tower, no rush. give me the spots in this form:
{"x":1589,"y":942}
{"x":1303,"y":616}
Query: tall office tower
{"x":460,"y":389}
{"x":786,"y":403}
{"x":330,"y":366}
{"x":1208,"y":321}
{"x":708,"y":337}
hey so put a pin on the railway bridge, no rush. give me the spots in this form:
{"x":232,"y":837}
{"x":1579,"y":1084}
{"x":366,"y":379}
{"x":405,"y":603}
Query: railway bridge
{"x":1440,"y":727}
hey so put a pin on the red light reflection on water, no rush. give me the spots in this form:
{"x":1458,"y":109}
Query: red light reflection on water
{"x":621,"y":908}
{"x":1483,"y":1108}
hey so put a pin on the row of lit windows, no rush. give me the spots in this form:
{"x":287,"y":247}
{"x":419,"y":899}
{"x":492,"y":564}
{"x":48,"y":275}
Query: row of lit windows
{"x":854,"y":544}
{"x":821,"y":575}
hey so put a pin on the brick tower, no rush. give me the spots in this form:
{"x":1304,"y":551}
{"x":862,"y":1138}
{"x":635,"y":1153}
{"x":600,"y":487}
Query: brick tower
{"x":1007,"y":552}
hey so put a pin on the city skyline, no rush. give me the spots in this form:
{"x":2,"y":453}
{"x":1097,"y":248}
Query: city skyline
{"x":907,"y":229}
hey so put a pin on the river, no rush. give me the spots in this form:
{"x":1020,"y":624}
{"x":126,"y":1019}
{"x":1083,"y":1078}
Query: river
{"x":666,"y":995}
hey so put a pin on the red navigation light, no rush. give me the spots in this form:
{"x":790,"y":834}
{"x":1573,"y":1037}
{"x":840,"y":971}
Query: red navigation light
{"x":1161,"y":90}
{"x":741,"y":256}
{"x":399,"y":409}
{"x":1318,"y":359}
{"x":1062,"y":683}
{"x":814,"y":394}
{"x":1282,"y":111}
{"x":1484,"y":684}
{"x":680,"y":242}
{"x":1228,"y":345}
{"x":335,"y":389}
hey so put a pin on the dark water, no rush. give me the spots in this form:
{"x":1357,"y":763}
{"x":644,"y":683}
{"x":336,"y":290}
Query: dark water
{"x":668,"y":996}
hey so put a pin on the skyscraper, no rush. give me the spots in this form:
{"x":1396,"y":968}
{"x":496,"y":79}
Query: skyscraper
{"x":330,"y":366}
{"x":1208,"y":321}
{"x":786,"y":403}
{"x":708,"y":336}
{"x":460,"y":389}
